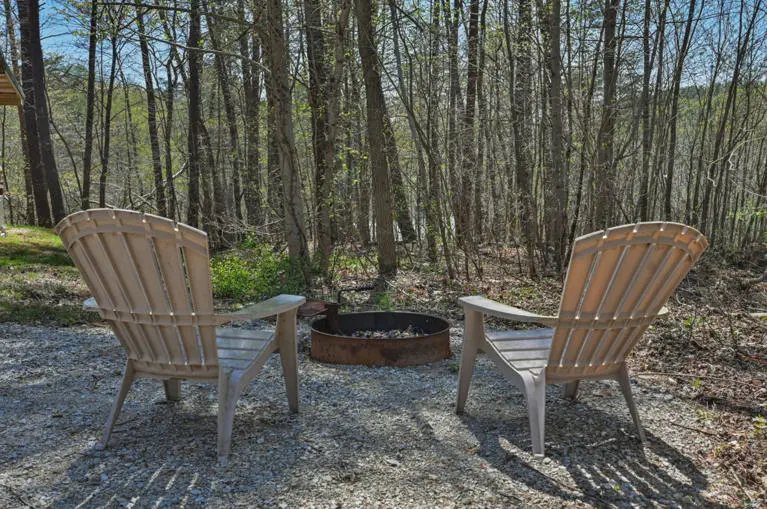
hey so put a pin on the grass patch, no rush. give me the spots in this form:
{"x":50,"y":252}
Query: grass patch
{"x":39,"y":284}
{"x":30,"y":246}
{"x":44,"y":314}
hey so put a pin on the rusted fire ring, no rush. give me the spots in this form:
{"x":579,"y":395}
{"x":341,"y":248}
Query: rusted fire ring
{"x":338,"y":347}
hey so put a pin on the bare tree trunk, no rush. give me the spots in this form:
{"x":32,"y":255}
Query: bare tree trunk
{"x":403,"y":94}
{"x":468,"y":139}
{"x":251,"y":77}
{"x":522,"y":128}
{"x":432,"y":199}
{"x":45,"y":177}
{"x":401,"y":208}
{"x":195,"y":116}
{"x":154,"y":140}
{"x":676,"y":84}
{"x":364,"y":181}
{"x":382,"y":198}
{"x":602,"y":205}
{"x":273,"y":170}
{"x":90,"y":101}
{"x":105,"y":152}
{"x":295,"y":228}
{"x":646,"y":147}
{"x":170,"y":100}
{"x":28,"y":192}
{"x":557,"y":200}
{"x":323,"y":144}
{"x":223,"y":71}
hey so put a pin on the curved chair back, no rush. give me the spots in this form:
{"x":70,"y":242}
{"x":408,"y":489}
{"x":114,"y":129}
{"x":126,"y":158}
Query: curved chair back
{"x":150,"y":277}
{"x":616,"y":285}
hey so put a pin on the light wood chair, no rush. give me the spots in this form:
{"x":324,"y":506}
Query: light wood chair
{"x":150,"y":278}
{"x":617,"y":283}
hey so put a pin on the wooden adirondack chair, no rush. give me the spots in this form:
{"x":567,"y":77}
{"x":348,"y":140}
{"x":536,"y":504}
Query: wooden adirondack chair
{"x":150,"y":278}
{"x":617,"y":283}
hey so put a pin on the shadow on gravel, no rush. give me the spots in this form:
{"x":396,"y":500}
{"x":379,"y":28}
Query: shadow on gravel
{"x":606,"y":465}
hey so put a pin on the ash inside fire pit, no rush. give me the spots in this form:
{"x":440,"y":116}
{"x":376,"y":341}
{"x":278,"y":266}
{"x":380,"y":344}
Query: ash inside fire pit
{"x":408,"y":333}
{"x":381,"y":338}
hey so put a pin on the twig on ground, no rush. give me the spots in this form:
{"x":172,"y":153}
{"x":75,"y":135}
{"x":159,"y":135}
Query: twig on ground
{"x":703,"y":431}
{"x":18,"y":496}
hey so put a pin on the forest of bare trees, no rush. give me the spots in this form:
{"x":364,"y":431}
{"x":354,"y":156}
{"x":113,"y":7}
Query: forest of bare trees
{"x":447,"y":126}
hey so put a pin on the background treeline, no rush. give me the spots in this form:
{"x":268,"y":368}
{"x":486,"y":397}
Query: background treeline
{"x":444,"y":124}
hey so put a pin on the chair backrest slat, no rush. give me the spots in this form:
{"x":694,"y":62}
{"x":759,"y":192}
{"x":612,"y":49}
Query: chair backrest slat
{"x":151,"y":280}
{"x":617,"y":282}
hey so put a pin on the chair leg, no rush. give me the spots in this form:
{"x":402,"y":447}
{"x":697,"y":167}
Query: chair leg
{"x":473,"y":334}
{"x":535,"y":392}
{"x":288,"y":348}
{"x":127,"y":381}
{"x":228,"y":391}
{"x":625,"y":382}
{"x":172,"y":390}
{"x":571,"y":390}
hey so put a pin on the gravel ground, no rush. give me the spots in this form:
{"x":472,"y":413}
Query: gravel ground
{"x":366,"y":437}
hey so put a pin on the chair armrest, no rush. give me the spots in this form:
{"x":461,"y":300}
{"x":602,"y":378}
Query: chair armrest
{"x":90,"y":305}
{"x":493,"y":308}
{"x":270,"y":307}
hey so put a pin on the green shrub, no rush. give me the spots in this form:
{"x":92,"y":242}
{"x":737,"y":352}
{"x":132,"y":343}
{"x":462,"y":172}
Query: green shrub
{"x":253,"y":273}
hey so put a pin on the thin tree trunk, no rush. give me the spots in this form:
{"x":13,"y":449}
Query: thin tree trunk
{"x":468,"y":137}
{"x":557,"y":199}
{"x":90,"y":101}
{"x":154,"y":140}
{"x":420,"y":200}
{"x":522,"y":128}
{"x":295,"y":228}
{"x":603,"y":202}
{"x":223,"y":71}
{"x":28,"y":193}
{"x":45,"y":179}
{"x":382,"y":198}
{"x":195,"y":116}
{"x":323,"y":146}
{"x":105,"y":152}
{"x":676,"y":84}
{"x":251,"y":77}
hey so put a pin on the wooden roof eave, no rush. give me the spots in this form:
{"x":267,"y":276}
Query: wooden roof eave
{"x":7,"y":73}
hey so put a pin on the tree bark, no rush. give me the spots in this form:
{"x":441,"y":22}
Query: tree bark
{"x":323,"y":145}
{"x":90,"y":100}
{"x":522,"y":128}
{"x":382,"y":198}
{"x":468,"y":137}
{"x":557,"y":199}
{"x":151,"y":103}
{"x":251,"y":78}
{"x":105,"y":153}
{"x":28,"y":193}
{"x":602,"y":204}
{"x":195,"y":116}
{"x":223,"y":71}
{"x":676,"y":84}
{"x":45,"y":177}
{"x":293,"y":206}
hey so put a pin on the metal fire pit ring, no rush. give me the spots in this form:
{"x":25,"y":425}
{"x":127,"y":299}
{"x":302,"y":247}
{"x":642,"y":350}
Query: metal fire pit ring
{"x":338,"y":347}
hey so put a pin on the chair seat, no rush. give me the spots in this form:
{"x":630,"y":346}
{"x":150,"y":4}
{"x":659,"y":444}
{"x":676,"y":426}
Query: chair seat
{"x":523,"y":350}
{"x":239,"y":348}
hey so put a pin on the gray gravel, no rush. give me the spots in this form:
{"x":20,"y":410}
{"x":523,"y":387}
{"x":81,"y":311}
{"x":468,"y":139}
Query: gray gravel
{"x":366,"y":437}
